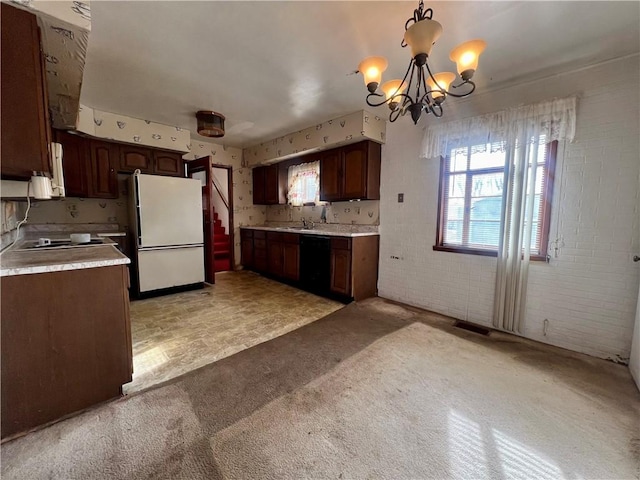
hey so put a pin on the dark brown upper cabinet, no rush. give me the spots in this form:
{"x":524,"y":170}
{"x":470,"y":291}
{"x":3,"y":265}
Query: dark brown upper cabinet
{"x":168,"y":163}
{"x":135,"y":158}
{"x":269,"y":185}
{"x":24,"y":114}
{"x":103,"y":177}
{"x":351,"y":172}
{"x":75,"y":163}
{"x":258,"y":186}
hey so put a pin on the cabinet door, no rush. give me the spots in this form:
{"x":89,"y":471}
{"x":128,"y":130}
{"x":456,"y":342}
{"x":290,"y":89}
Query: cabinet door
{"x":354,"y":171}
{"x":133,"y":158}
{"x":291,"y":261}
{"x":341,"y":271}
{"x":330,"y":176}
{"x":274,"y":258}
{"x":24,"y":113}
{"x":168,"y":163}
{"x":74,"y":163}
{"x":103,"y":179}
{"x":247,"y":252}
{"x":271,"y":193}
{"x":258,"y":186}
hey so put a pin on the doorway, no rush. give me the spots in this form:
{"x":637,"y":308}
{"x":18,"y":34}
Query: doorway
{"x":222,"y":197}
{"x":217,"y":214}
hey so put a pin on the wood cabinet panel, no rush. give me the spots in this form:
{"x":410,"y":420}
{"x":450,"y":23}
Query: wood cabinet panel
{"x":103,"y":176}
{"x":351,"y":173}
{"x":135,"y":158}
{"x":258,"y":186}
{"x":168,"y":163}
{"x":66,"y":343}
{"x":268,"y":188}
{"x":274,"y":257}
{"x":291,"y":261}
{"x":331,"y":175}
{"x":75,"y":164}
{"x":24,"y":114}
{"x":341,"y":271}
{"x":271,"y":190}
{"x":247,"y":252}
{"x":354,"y":171}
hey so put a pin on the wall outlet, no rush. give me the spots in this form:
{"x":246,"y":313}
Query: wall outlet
{"x":400,"y":197}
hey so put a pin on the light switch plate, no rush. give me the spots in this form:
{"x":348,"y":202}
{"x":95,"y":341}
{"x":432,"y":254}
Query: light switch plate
{"x":400,"y":197}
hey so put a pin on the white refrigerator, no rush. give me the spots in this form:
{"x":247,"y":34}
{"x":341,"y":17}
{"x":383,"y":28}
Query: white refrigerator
{"x":167,"y":213}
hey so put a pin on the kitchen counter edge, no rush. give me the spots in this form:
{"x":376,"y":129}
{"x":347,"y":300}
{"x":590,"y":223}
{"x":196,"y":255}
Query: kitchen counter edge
{"x":311,"y":232}
{"x":23,"y":262}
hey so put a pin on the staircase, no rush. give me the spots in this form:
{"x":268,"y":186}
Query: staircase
{"x":221,"y":246}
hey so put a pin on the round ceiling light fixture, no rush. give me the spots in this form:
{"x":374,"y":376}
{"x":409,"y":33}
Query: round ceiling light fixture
{"x":210,"y":124}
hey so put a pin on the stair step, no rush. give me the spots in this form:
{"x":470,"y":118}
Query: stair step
{"x":222,"y":265}
{"x":220,"y":237}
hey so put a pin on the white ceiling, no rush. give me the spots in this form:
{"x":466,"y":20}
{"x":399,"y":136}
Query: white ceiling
{"x":276,"y":67}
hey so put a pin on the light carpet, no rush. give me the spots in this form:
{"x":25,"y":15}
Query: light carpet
{"x":375,"y":390}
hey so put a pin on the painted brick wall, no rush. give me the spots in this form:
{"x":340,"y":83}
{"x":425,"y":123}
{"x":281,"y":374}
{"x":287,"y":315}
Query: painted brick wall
{"x":589,"y":289}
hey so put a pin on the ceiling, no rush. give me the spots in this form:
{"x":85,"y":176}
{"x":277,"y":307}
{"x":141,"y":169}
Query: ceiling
{"x":277,"y":67}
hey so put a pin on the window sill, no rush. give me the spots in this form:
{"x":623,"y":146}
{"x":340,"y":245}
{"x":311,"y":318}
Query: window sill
{"x":479,"y":251}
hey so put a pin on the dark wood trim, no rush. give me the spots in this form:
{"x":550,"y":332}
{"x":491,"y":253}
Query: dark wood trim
{"x":468,"y":251}
{"x":551,"y":161}
{"x":441,"y":204}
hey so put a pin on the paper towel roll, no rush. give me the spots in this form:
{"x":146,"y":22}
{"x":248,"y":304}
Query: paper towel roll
{"x":41,"y":187}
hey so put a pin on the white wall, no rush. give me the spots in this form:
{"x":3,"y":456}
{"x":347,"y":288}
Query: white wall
{"x":634,"y":360}
{"x":589,"y":291}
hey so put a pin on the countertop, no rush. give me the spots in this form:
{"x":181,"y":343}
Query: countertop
{"x":24,"y":262}
{"x":317,"y":230}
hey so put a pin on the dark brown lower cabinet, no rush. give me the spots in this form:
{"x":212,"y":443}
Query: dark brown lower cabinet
{"x":341,"y":266}
{"x":353,"y":260}
{"x":246,"y":247}
{"x":260,"y":251}
{"x":274,"y":253}
{"x":66,"y":343}
{"x":291,"y":257}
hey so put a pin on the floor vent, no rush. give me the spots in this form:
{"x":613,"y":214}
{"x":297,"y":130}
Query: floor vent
{"x":472,"y":328}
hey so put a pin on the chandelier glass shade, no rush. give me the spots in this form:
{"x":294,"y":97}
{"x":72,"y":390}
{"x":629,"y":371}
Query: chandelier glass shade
{"x":421,"y":90}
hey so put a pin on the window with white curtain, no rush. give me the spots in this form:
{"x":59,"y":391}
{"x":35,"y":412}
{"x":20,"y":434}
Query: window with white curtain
{"x":304,"y":184}
{"x":471,"y":196}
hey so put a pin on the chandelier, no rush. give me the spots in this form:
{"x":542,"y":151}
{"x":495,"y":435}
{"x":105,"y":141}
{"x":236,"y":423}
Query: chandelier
{"x":429,"y":90}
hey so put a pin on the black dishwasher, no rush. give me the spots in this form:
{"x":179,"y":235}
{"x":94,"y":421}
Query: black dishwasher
{"x":315,"y":263}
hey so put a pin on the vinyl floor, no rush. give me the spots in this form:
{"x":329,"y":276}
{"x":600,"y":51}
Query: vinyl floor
{"x":178,"y":333}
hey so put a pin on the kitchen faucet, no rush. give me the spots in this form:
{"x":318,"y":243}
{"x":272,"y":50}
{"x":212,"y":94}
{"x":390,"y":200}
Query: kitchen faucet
{"x":304,"y":223}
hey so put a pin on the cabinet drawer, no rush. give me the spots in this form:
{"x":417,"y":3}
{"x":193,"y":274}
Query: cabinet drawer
{"x":259,"y":234}
{"x":291,"y":238}
{"x":259,"y":244}
{"x":274,"y":236}
{"x":341,"y":243}
{"x":246,"y":233}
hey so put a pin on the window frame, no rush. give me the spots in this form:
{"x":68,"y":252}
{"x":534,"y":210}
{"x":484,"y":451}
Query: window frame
{"x":544,"y":216}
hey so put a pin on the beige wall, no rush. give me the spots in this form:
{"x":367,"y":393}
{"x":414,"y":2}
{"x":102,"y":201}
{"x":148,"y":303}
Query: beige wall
{"x":11,"y":214}
{"x":365,"y":212}
{"x":85,"y":210}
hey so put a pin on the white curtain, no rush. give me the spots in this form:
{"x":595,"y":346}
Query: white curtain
{"x":304,"y":184}
{"x":521,"y":131}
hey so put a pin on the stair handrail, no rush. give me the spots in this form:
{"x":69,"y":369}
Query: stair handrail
{"x":215,"y":184}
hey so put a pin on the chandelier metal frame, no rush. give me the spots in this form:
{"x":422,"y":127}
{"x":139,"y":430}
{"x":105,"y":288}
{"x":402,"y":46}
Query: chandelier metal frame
{"x":418,"y":72}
